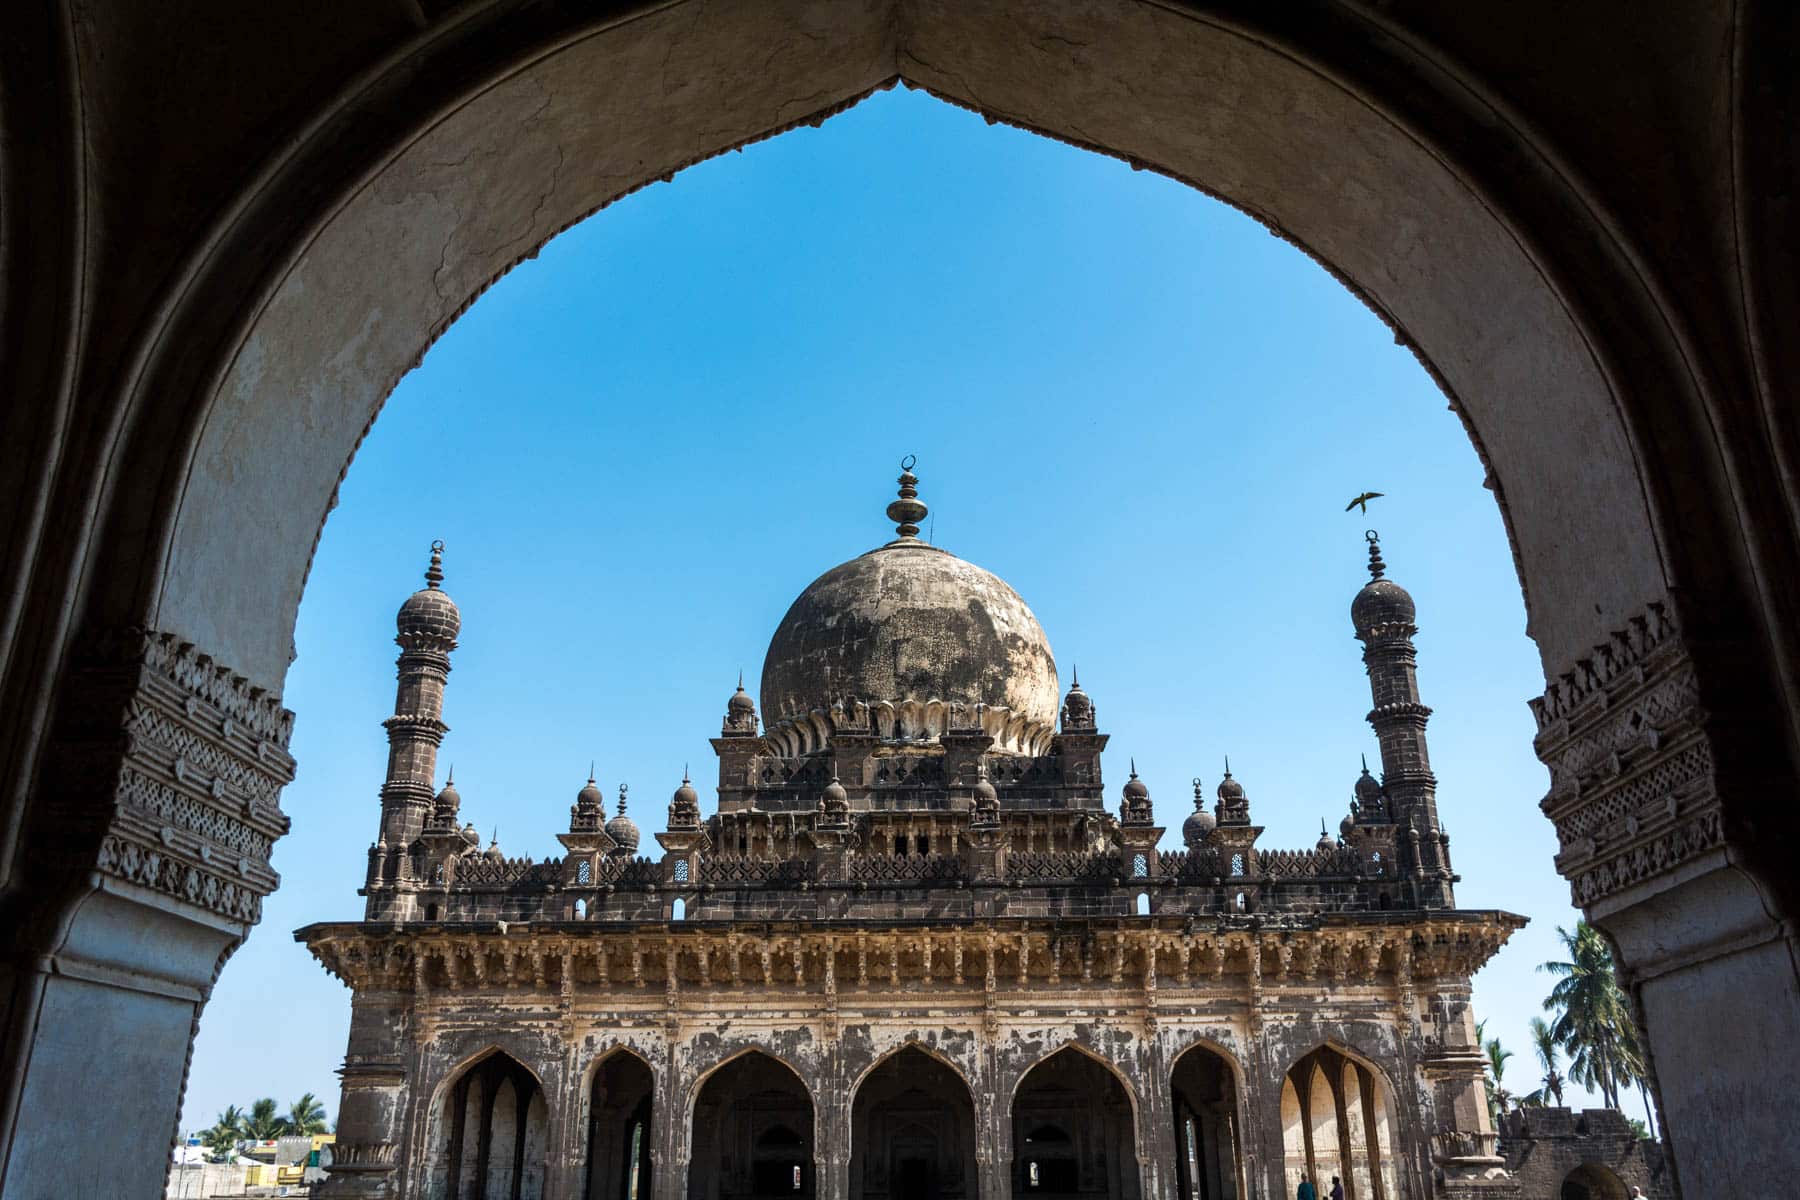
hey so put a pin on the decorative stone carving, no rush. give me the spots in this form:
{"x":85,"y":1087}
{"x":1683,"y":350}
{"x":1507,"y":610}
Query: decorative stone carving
{"x":168,"y":769}
{"x":1632,"y":782}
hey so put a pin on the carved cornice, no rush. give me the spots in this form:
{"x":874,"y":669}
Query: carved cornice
{"x":1019,"y":953}
{"x":165,"y":772}
{"x":1633,"y":788}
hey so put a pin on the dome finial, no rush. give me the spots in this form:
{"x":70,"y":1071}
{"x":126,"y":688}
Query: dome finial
{"x":623,"y":788}
{"x":1377,"y":568}
{"x":590,"y":770}
{"x":1228,"y":766}
{"x":908,"y":510}
{"x":434,"y":574}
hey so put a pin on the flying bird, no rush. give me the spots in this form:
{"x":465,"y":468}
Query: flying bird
{"x":1362,"y":502}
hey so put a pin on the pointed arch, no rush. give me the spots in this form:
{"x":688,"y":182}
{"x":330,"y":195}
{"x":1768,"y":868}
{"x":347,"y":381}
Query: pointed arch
{"x":1074,"y":1122}
{"x":753,"y":1130}
{"x":912,"y":1128}
{"x":1357,"y":1143}
{"x":619,"y":1116}
{"x":488,"y":1134}
{"x":1206,"y":1100}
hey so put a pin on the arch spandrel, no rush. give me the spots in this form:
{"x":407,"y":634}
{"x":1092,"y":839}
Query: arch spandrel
{"x":414,"y":243}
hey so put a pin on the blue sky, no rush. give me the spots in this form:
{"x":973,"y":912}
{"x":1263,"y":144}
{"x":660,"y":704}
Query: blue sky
{"x":1126,"y":399}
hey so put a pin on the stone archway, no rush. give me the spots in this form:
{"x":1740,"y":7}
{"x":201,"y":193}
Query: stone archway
{"x":752,"y":1133}
{"x":1337,"y":1122}
{"x":1074,"y":1131}
{"x":620,"y":1128}
{"x":489,"y":1134}
{"x":912,"y":1131}
{"x":198,"y":410}
{"x":1590,"y":1181}
{"x":1208,"y":1143}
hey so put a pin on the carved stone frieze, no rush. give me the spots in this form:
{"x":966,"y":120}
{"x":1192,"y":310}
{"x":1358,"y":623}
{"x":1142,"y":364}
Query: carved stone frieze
{"x":165,"y":772}
{"x":1633,"y":789}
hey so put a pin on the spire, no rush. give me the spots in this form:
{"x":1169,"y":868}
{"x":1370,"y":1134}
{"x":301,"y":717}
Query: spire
{"x":1377,"y":568}
{"x":1075,"y":675}
{"x":623,"y":788}
{"x":434,"y":574}
{"x":908,"y":510}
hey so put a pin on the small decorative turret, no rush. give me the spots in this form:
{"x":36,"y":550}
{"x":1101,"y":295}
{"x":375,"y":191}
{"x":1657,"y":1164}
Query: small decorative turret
{"x":1200,"y":823}
{"x":1134,"y":800}
{"x":1325,"y":842}
{"x":1077,"y":709}
{"x":987,"y":798}
{"x":1234,"y":805}
{"x":622,"y":829}
{"x":908,"y":510}
{"x":492,"y":853}
{"x":588,"y":813}
{"x":834,"y":803}
{"x":740,"y":713}
{"x":447,"y":804}
{"x":684,"y":805}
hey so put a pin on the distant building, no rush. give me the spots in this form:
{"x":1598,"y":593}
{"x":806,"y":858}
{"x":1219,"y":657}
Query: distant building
{"x":912,"y":952}
{"x":1556,"y":1154}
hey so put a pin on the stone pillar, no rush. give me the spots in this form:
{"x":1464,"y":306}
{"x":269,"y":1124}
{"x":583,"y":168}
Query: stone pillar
{"x":993,"y":1124}
{"x":369,"y":1157}
{"x":144,"y":865}
{"x":1156,"y":1152}
{"x":672,"y":1139}
{"x":1643,"y":749}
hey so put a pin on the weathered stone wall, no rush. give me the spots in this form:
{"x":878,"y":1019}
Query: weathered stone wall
{"x":1544,"y":1146}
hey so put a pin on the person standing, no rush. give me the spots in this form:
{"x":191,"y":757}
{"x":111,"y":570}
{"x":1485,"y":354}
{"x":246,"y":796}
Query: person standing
{"x":1337,"y":1188}
{"x":1306,"y":1190}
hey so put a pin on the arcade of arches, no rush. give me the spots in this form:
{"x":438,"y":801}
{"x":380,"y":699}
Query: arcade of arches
{"x":213,"y":277}
{"x":913,"y":1128}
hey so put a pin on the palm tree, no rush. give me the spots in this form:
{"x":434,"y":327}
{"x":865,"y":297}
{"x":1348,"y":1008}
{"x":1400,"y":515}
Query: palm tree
{"x":263,"y":1122}
{"x":1499,"y":1099}
{"x":1543,"y":1042}
{"x":226,"y":1132}
{"x":306,"y":1115}
{"x":1592,"y":1022}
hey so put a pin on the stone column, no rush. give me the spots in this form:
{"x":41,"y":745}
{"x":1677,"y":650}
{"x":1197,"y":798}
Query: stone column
{"x":1644,"y":748}
{"x":993,"y":1124}
{"x":671,"y":1141}
{"x":143,"y":867}
{"x":1156,"y":1120}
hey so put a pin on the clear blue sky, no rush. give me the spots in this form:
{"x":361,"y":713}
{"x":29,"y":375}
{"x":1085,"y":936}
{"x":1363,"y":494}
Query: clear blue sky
{"x":1128,"y":400}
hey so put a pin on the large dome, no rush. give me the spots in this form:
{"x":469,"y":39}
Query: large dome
{"x":910,"y":630}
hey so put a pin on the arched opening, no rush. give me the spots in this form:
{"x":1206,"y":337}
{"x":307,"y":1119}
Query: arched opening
{"x":752,"y":1133}
{"x":1337,"y":1123}
{"x":1073,"y":1132}
{"x":912,"y":1132}
{"x":488,"y":1135}
{"x":1525,"y":354}
{"x":620,"y":1129}
{"x":1207,"y":1146}
{"x":1591,"y":1181}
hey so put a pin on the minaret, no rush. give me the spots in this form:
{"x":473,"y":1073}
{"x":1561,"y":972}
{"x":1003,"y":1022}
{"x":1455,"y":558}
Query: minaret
{"x":426,"y":629}
{"x":1382,"y":614}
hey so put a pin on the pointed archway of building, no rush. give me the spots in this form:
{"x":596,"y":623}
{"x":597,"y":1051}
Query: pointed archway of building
{"x":489,"y":1134}
{"x":1208,"y":1145}
{"x":620,"y":1125}
{"x":752,"y":1133}
{"x":912,"y":1131}
{"x":1337,"y":1123}
{"x":1591,"y":1181}
{"x":1074,"y":1132}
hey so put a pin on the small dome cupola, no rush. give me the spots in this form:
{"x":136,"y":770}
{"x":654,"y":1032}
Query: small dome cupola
{"x":1382,"y":603}
{"x":449,"y":800}
{"x":1134,"y":800}
{"x":1077,"y":708}
{"x":1234,"y":804}
{"x":740,"y":712}
{"x":622,"y":829}
{"x":834,"y":801}
{"x":1200,"y":823}
{"x":684,"y":805}
{"x":1325,"y":842}
{"x":429,"y":619}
